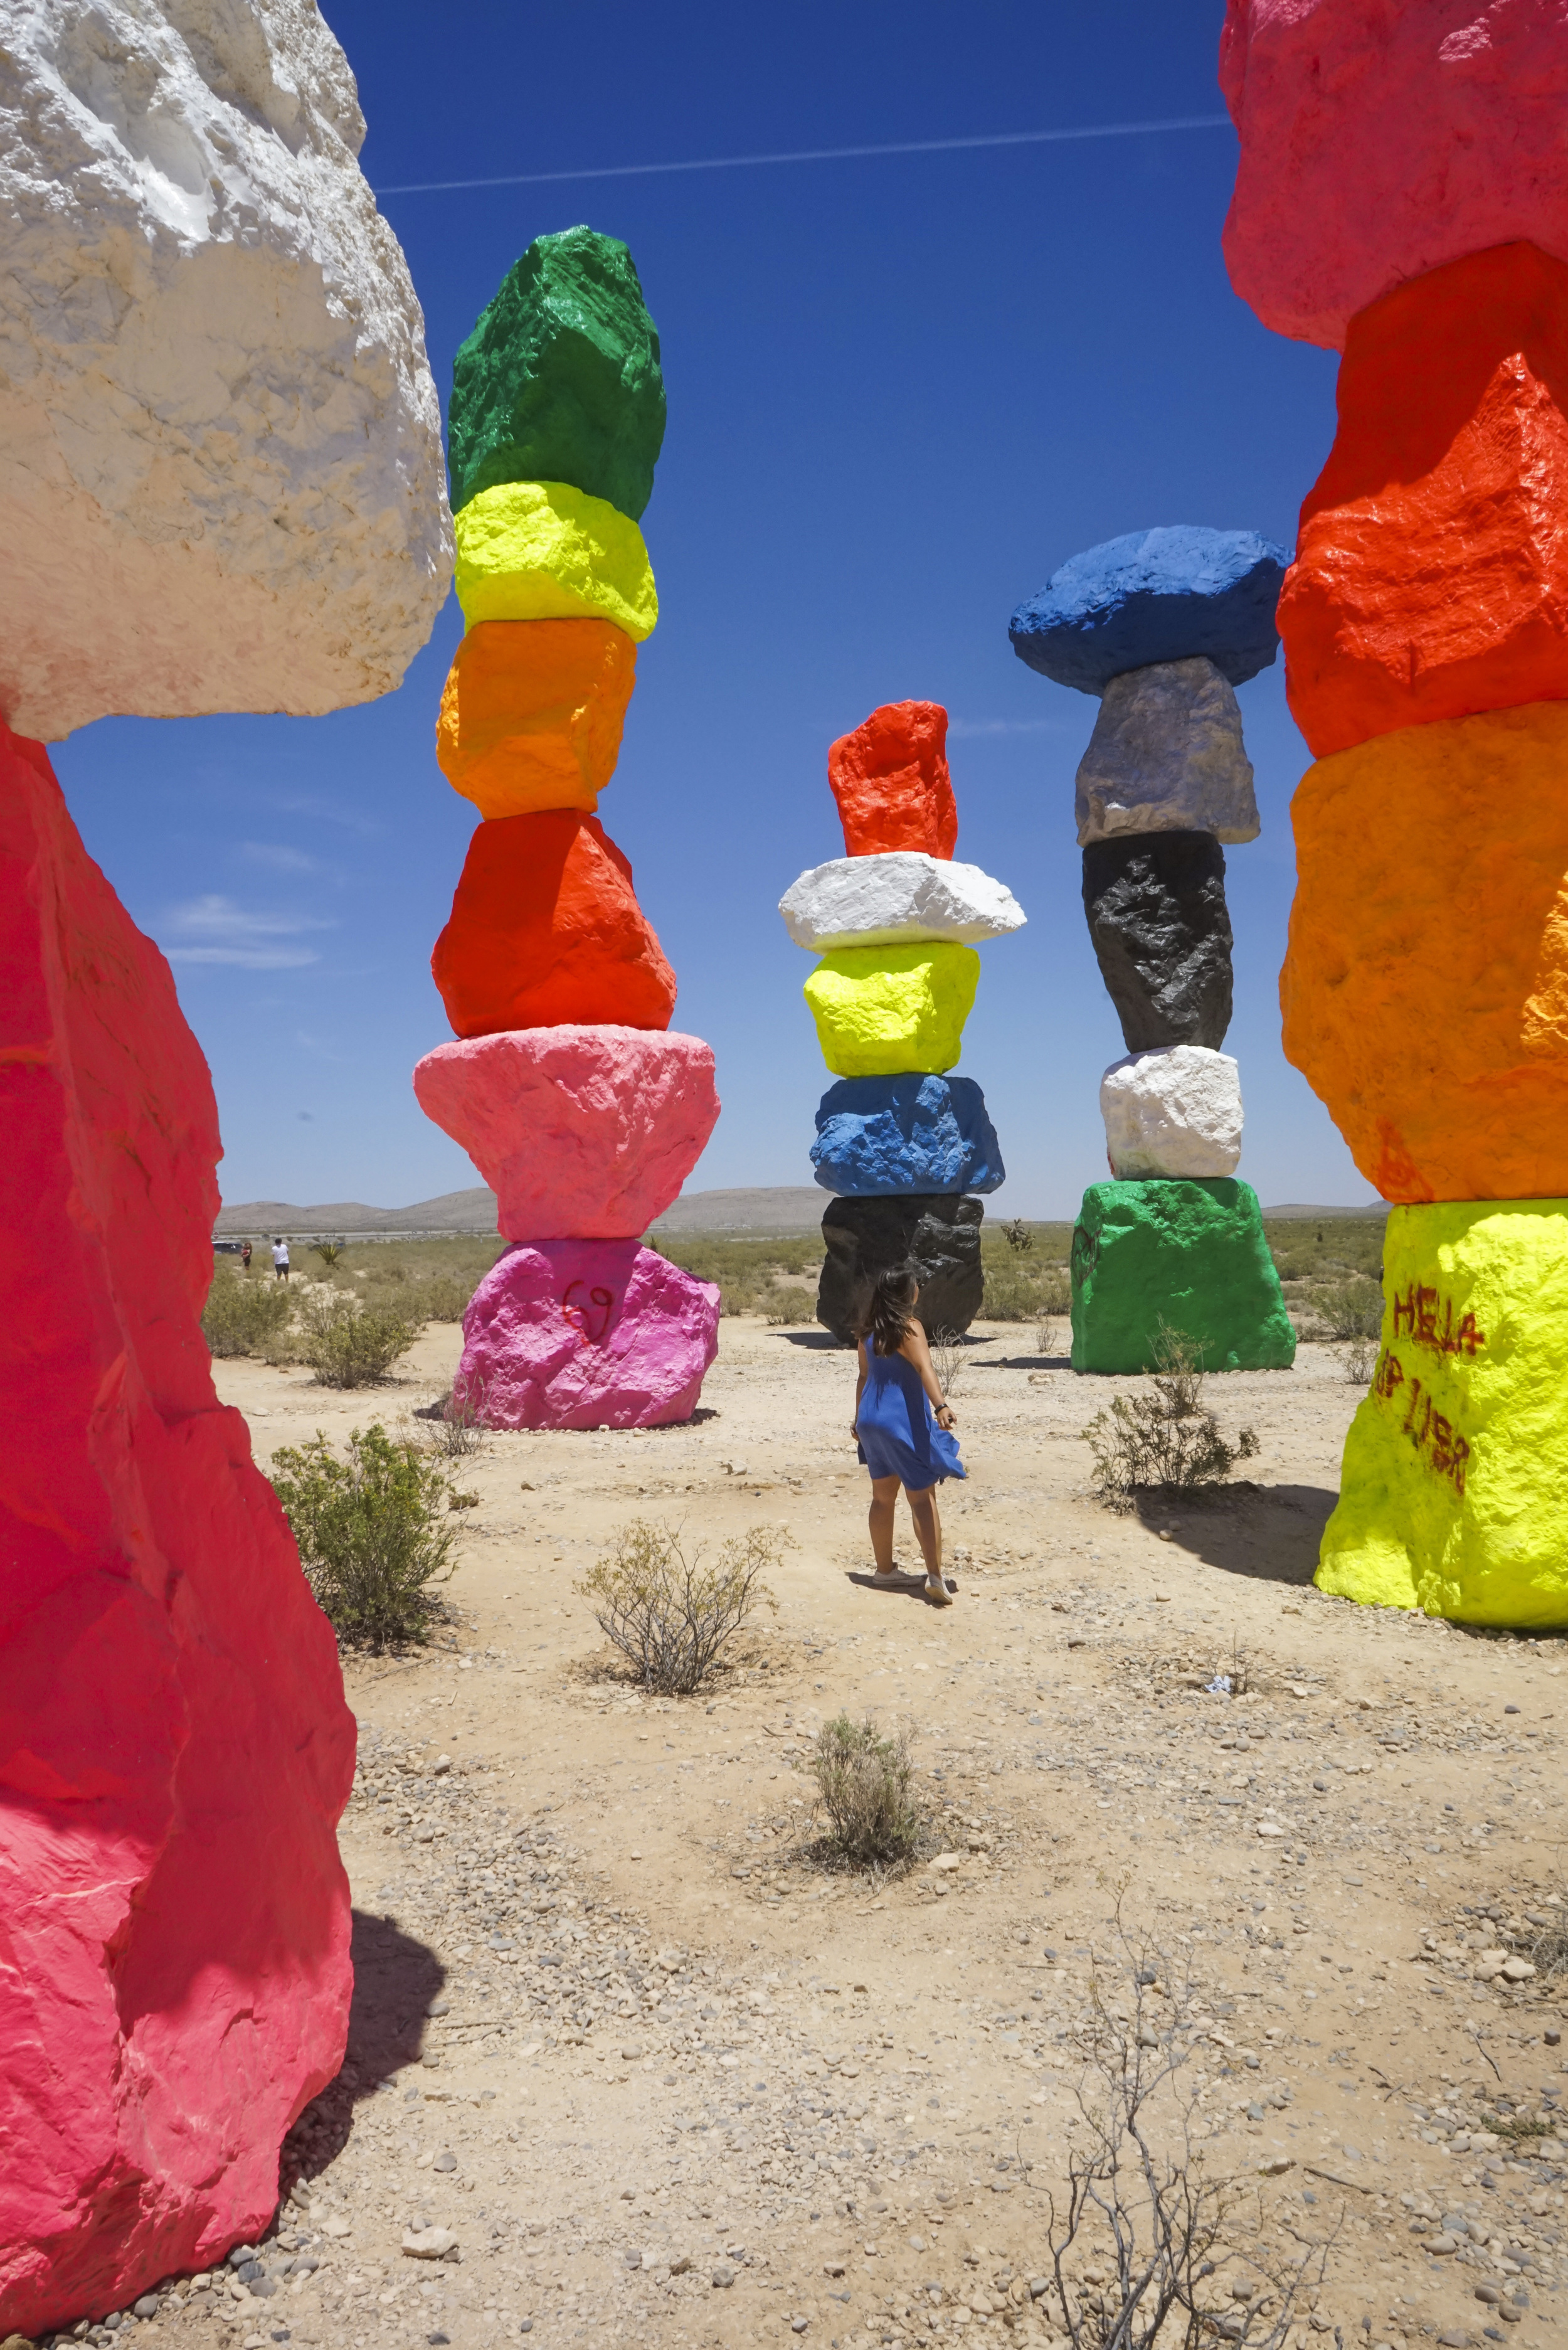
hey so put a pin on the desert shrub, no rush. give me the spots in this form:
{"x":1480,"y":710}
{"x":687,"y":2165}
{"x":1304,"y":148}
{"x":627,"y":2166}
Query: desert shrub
{"x":1169,"y":1442}
{"x":948,"y":1359}
{"x":349,"y":1344}
{"x":863,"y":1780}
{"x":671,"y":1614}
{"x":1049,"y":1336}
{"x":1359,"y":1357}
{"x":372,"y":1533}
{"x":744,"y":1270}
{"x":329,"y":1252}
{"x":1016,"y":1292}
{"x":1018,"y":1236}
{"x":790,"y":1305}
{"x":444,"y":1297}
{"x":244,"y":1313}
{"x":1351,"y":1309}
{"x":454,"y":1424}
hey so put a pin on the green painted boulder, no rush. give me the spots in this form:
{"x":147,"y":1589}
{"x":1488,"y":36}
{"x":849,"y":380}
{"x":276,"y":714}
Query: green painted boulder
{"x":560,"y":379}
{"x":1176,"y":1256}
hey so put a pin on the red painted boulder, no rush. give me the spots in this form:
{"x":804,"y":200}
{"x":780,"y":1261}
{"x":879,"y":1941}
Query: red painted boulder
{"x":586,"y":1334}
{"x":545,"y":930}
{"x":174,"y":1745}
{"x":584,"y":1132}
{"x":1381,"y":138}
{"x":891,"y":783}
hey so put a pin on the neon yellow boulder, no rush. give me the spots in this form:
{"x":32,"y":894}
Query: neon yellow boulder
{"x":545,"y":551}
{"x":1454,"y":1490}
{"x":881,"y":1012}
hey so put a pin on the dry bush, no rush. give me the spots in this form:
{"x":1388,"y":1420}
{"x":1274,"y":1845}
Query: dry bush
{"x":948,"y":1359}
{"x":669,"y":1615}
{"x":442,"y":1297}
{"x":791,"y":1305}
{"x":1167,"y":1443}
{"x":329,"y":1251}
{"x":244,"y":1315}
{"x":1358,"y":1358}
{"x":349,"y":1344}
{"x":371,"y":1533}
{"x":1048,"y":1336}
{"x":1018,"y":1236}
{"x":454,"y":1424}
{"x":863,"y":1780}
{"x":1351,"y":1308}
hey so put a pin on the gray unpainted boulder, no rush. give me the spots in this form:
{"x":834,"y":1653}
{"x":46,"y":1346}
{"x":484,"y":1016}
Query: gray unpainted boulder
{"x":1162,"y":933}
{"x":938,"y":1235}
{"x":1166,"y":755}
{"x":222,"y":486}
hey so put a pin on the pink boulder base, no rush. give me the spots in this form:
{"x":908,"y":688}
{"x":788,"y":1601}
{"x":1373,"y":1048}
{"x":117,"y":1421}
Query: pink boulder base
{"x":174,"y":1746}
{"x":586,"y":1334}
{"x":1381,"y":138}
{"x":581,"y":1131}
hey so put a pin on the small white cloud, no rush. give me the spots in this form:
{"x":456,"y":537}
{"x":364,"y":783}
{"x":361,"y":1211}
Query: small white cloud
{"x":276,"y":857}
{"x":213,"y":930}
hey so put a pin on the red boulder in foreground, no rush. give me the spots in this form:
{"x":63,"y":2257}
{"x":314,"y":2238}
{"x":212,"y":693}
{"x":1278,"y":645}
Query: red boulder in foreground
{"x":174,"y":1745}
{"x":891,"y":781}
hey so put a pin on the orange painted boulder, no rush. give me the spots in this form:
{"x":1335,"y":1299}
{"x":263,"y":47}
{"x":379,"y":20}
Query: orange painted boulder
{"x":532,"y":713}
{"x":1431,"y":571}
{"x":545,"y":929}
{"x":891,"y":783}
{"x":1425,"y":990}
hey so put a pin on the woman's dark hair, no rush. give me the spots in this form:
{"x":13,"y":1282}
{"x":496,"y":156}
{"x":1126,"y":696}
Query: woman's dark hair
{"x":890,"y":1308}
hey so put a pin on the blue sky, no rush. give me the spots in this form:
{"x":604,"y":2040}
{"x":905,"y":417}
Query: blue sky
{"x":902,"y":390}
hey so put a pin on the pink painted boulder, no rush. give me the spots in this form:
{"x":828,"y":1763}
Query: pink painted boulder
{"x":586,"y":1334}
{"x":1381,"y":138}
{"x":174,"y":1745}
{"x":587,"y":1132}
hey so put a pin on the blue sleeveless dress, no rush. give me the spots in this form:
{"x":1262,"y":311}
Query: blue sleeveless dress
{"x":897,"y":1429}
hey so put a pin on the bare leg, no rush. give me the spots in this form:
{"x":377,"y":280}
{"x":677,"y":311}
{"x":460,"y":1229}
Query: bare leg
{"x":880,"y":1519}
{"x":929,"y":1532}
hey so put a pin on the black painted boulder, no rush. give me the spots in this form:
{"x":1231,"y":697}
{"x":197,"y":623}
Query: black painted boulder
{"x":938,"y":1232}
{"x":1161,"y":930}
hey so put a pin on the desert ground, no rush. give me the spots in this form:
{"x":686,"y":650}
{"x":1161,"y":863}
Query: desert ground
{"x":641,"y":2066}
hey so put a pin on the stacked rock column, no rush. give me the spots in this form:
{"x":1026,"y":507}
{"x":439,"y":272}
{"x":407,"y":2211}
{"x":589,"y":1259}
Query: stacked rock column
{"x":1424,"y":622}
{"x":567,"y":1088}
{"x":895,"y":922}
{"x":1163,"y":625}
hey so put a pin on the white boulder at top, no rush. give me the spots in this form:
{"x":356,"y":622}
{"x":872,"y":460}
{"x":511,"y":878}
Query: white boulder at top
{"x":1176,"y":1111}
{"x":896,"y":898}
{"x":223,"y":485}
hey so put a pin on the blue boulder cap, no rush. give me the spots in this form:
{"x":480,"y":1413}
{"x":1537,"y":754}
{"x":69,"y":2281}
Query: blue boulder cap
{"x":1155,"y":596}
{"x":894,"y":1138}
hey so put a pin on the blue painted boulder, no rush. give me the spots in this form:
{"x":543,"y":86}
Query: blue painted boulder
{"x":891,"y":1137}
{"x":1155,"y":596}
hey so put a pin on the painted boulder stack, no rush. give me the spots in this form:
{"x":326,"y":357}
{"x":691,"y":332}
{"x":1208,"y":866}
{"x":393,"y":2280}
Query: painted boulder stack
{"x":895,"y":922}
{"x":1403,"y":196}
{"x":567,"y":1087}
{"x":1163,"y":625}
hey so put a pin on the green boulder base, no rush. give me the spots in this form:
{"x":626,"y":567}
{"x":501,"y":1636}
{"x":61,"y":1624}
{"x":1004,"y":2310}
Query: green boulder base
{"x":560,"y":379}
{"x":1178,"y":1255}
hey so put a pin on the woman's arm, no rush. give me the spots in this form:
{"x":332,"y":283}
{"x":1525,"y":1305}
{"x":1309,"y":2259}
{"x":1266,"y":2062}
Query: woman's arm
{"x":860,"y":1390}
{"x":915,"y":1350}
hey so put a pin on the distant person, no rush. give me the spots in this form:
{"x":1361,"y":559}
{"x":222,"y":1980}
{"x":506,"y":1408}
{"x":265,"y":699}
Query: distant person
{"x":903,"y":1425}
{"x":280,"y":1259}
{"x":246,"y":1257}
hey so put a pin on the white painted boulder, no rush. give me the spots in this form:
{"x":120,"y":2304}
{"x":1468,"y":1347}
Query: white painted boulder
{"x":1177,"y":1111}
{"x":897,"y":897}
{"x":1166,"y":755}
{"x":222,"y":486}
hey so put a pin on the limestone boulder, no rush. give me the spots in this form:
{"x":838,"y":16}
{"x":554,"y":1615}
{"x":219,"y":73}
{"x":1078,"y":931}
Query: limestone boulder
{"x":1181,"y":1258}
{"x":890,"y":780}
{"x":223,"y":486}
{"x":883,"y":1011}
{"x":1166,"y":755}
{"x":532,"y":713}
{"x":901,"y":895}
{"x":586,"y":1334}
{"x":581,"y":1132}
{"x":545,"y":551}
{"x":1173,"y":1112}
{"x":1161,"y":931}
{"x":1378,"y":142}
{"x":882,"y":1138}
{"x":938,"y":1236}
{"x":1174,"y":594}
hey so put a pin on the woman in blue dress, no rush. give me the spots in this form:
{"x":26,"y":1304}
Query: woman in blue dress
{"x":903,"y":1425}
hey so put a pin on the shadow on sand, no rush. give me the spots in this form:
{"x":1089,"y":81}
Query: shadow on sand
{"x":1269,"y":1533}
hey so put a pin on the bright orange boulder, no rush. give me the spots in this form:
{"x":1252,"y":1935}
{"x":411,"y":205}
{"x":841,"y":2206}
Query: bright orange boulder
{"x":1431,"y":571}
{"x":1425,"y":991}
{"x":545,"y":929}
{"x":890,"y":780}
{"x":532,"y":711}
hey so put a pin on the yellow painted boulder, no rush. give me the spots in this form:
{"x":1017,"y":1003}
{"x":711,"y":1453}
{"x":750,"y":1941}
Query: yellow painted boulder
{"x":544,"y":551}
{"x":1455,"y":1466}
{"x":881,"y":1012}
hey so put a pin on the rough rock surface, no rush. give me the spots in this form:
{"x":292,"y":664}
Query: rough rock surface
{"x":901,"y":894}
{"x":1167,"y":595}
{"x":883,"y":1138}
{"x":560,"y":381}
{"x":177,"y":1749}
{"x":544,"y":551}
{"x":532,"y":713}
{"x":1189,"y":1255}
{"x":1173,"y":1112}
{"x":545,"y":929}
{"x":1451,"y":1492}
{"x":1166,"y":755}
{"x":1431,"y":577}
{"x":890,"y":780}
{"x":1425,"y":988}
{"x":584,"y":1132}
{"x":1162,"y":933}
{"x":586,"y":1334}
{"x":222,"y":442}
{"x":939,"y":1236}
{"x":1378,"y":142}
{"x":881,"y":1012}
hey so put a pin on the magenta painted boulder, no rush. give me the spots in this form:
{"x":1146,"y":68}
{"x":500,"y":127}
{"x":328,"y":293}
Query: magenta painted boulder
{"x":586,"y":1334}
{"x":1381,"y":138}
{"x":581,"y":1132}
